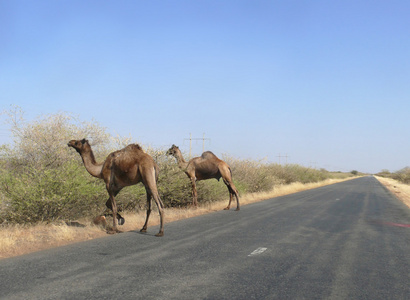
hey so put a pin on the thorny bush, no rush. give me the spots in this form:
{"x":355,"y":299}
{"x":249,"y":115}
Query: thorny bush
{"x":41,"y":179}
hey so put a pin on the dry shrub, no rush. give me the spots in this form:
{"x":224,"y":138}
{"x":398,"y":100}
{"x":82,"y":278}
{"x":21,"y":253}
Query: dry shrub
{"x":20,"y":239}
{"x":402,"y":175}
{"x":258,"y":176}
{"x":252,"y":176}
{"x":42,"y":180}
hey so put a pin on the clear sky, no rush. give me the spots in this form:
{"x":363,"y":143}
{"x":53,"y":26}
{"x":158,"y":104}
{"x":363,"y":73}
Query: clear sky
{"x":326,"y":83}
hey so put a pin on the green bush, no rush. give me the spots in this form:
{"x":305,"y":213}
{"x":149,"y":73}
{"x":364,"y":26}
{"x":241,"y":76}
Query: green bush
{"x":49,"y":194}
{"x":41,"y":179}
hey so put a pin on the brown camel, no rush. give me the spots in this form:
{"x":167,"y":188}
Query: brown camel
{"x":123,"y":168}
{"x":206,"y":166}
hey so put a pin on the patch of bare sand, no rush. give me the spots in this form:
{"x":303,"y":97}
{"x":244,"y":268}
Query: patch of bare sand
{"x":17,"y":240}
{"x":401,"y":190}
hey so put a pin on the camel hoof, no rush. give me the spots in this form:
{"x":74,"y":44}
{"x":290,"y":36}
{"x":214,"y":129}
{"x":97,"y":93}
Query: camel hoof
{"x":160,"y":234}
{"x":144,"y":230}
{"x":226,"y":208}
{"x":237,"y":209}
{"x":121,"y":221}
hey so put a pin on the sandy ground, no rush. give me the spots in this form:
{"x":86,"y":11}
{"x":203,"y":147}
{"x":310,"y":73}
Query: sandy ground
{"x":400,"y":190}
{"x":18,"y":240}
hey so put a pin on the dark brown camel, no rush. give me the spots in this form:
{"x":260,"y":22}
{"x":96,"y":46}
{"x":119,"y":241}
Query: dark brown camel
{"x":206,"y":166}
{"x":122,"y":168}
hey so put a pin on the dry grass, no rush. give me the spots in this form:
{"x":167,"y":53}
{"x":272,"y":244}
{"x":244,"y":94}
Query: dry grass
{"x":401,"y":190}
{"x":17,"y":240}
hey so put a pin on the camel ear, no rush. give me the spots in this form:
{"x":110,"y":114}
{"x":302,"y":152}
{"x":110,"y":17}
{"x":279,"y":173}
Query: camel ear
{"x":83,"y":141}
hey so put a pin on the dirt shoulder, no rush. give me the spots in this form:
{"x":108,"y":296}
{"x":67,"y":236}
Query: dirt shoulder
{"x":17,"y":240}
{"x":400,"y":190}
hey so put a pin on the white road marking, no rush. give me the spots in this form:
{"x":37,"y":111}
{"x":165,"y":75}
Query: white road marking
{"x":258,"y":251}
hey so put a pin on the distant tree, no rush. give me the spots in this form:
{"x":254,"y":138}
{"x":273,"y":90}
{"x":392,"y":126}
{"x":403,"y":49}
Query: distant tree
{"x":384,"y":173}
{"x":354,"y":172}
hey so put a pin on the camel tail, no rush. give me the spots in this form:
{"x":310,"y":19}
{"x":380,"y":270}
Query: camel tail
{"x":230,"y":172}
{"x":156,"y":172}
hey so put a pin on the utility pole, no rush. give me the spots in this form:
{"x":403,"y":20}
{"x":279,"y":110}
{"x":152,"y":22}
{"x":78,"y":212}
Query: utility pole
{"x":196,"y":139}
{"x":285,"y":156}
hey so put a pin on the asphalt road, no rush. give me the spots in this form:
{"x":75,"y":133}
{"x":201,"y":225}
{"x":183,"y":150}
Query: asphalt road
{"x":349,"y":240}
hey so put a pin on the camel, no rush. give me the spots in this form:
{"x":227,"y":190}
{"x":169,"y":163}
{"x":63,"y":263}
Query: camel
{"x":122,"y":168}
{"x":207,"y":166}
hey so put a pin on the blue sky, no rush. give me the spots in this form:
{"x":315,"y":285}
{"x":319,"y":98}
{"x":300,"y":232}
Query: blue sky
{"x":326,"y":83}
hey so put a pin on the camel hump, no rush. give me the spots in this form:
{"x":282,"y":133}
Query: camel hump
{"x":133,"y":147}
{"x":208,"y":155}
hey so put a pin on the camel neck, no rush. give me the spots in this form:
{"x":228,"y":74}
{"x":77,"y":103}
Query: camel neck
{"x":182,"y":164}
{"x":90,"y":164}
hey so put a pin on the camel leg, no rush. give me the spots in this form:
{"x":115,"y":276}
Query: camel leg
{"x":152,"y":192}
{"x":237,"y":198}
{"x":149,"y":204}
{"x":120,"y":219}
{"x":114,"y":214}
{"x":232,"y":192}
{"x":230,"y":200}
{"x":159,"y":203}
{"x":160,"y":206}
{"x":194,"y":193}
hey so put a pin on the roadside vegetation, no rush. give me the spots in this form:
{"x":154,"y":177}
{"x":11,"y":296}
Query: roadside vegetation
{"x":402,"y":175}
{"x":43,"y":181}
{"x":397,"y":182}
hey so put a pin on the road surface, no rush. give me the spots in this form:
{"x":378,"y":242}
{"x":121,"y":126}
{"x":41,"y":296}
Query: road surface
{"x":349,"y":240}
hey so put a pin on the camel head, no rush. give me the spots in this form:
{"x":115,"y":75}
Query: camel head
{"x":79,"y":145}
{"x":173,"y":150}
